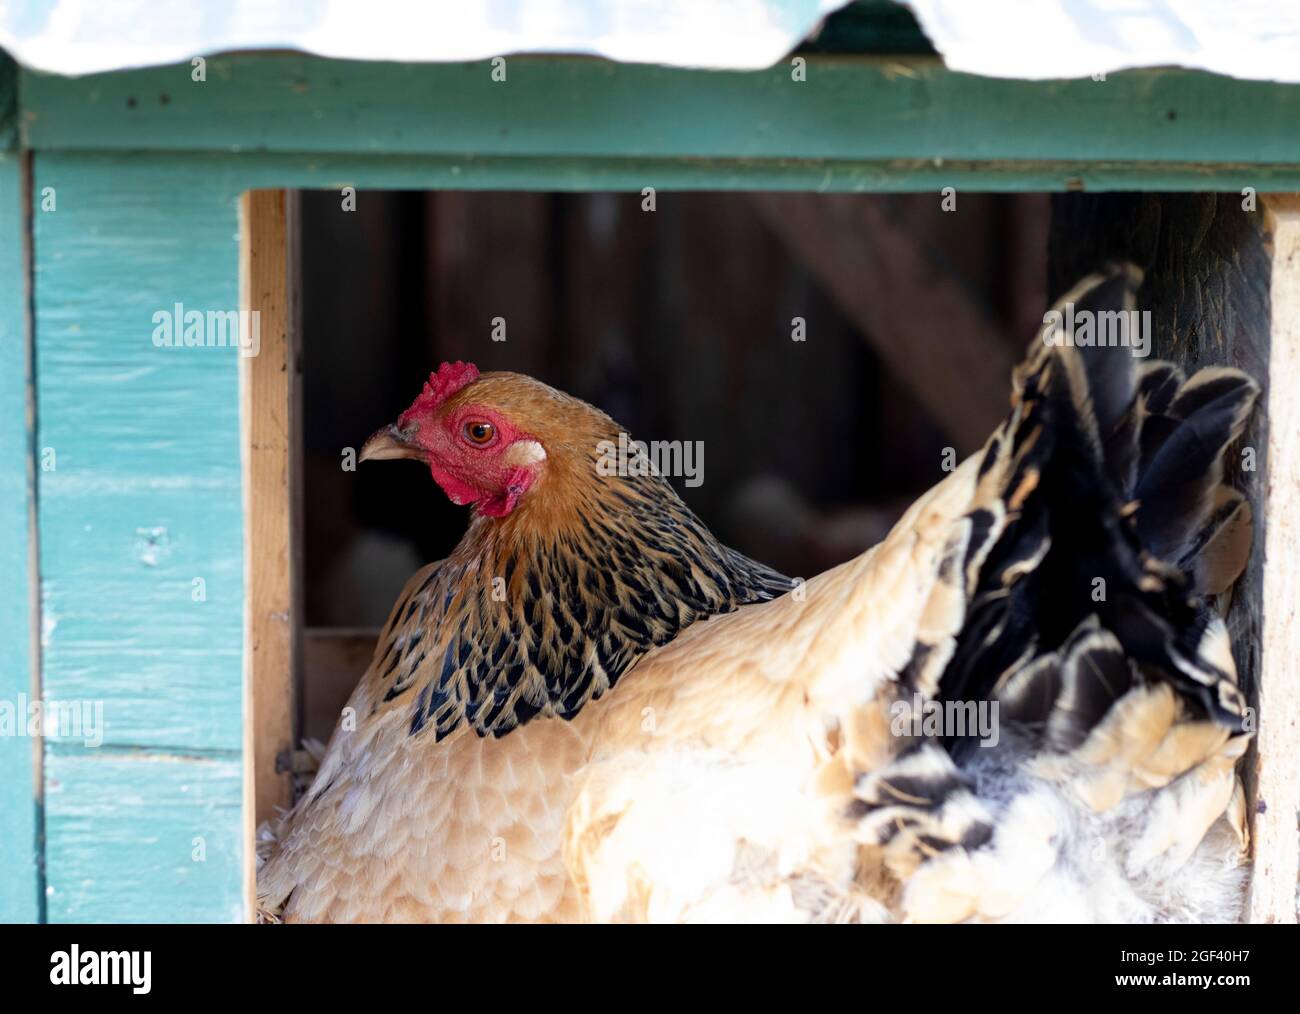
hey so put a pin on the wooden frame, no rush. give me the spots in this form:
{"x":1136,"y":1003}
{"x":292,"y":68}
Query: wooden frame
{"x":1276,"y":772}
{"x":150,"y":169}
{"x":21,"y":789}
{"x":270,"y":411}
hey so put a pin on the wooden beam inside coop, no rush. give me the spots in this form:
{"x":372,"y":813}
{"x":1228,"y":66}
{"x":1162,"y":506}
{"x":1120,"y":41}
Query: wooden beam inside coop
{"x":921,"y":321}
{"x":270,"y":425}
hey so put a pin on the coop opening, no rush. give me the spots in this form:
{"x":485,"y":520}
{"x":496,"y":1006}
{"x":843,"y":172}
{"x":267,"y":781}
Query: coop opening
{"x":801,"y":366}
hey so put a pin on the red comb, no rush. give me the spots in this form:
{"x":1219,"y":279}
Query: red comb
{"x":443,"y":382}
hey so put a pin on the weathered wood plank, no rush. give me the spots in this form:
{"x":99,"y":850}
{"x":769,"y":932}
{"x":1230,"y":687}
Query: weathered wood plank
{"x":140,"y":493}
{"x":143,"y":837}
{"x":20,"y":884}
{"x":904,"y":303}
{"x":1277,"y":759}
{"x":271,"y":440}
{"x":141,"y":536}
{"x":855,"y":107}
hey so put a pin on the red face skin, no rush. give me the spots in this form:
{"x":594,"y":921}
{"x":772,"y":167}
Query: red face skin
{"x":470,"y":471}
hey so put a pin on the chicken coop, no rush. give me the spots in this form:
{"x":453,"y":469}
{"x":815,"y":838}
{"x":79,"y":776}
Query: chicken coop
{"x":818,"y":233}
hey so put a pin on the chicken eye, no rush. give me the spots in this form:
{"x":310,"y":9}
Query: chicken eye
{"x":479,"y":433}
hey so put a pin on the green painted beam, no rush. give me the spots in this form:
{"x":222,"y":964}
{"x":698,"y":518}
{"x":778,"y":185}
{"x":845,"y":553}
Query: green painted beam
{"x":850,"y":109}
{"x":20,"y":887}
{"x":237,"y":172}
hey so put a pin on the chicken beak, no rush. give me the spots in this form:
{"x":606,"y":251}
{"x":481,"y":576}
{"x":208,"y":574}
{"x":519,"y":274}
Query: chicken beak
{"x":390,"y":442}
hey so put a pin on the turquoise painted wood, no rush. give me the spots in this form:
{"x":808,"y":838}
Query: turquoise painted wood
{"x":850,"y":109}
{"x":20,"y":886}
{"x":144,"y":497}
{"x":143,"y":837}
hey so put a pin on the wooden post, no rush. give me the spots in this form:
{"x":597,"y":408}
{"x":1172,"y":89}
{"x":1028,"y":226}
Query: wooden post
{"x":1277,"y":757}
{"x":1223,"y":286}
{"x":21,"y":783}
{"x":270,"y":424}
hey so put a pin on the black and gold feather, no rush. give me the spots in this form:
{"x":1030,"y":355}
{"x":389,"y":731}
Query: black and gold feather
{"x":523,"y":621}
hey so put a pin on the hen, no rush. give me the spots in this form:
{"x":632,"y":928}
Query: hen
{"x":546,"y":733}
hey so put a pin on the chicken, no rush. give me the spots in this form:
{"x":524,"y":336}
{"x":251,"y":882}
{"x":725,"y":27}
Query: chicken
{"x":547,"y":734}
{"x":441,"y":793}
